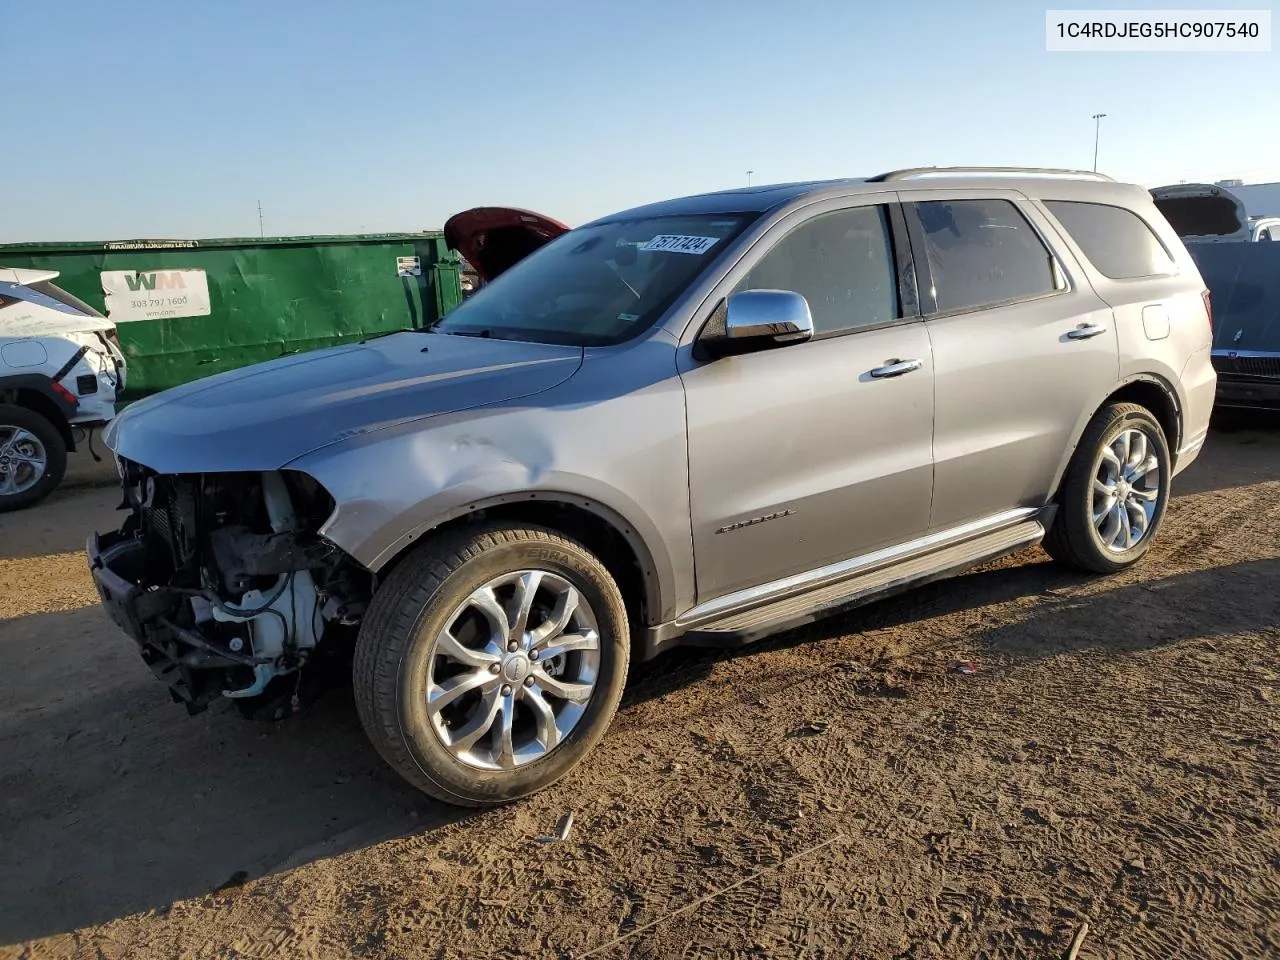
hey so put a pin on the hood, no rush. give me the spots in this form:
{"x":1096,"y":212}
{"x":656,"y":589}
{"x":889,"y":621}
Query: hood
{"x":263,"y":416}
{"x":493,"y":239}
{"x":1202,"y":212}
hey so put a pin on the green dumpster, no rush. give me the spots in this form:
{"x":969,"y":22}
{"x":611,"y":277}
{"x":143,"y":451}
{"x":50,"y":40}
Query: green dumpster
{"x":185,"y":309}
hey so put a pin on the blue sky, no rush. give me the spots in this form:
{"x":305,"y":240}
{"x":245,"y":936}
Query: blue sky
{"x":134,"y":119}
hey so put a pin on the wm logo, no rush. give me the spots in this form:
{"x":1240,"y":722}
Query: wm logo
{"x":156,"y":280}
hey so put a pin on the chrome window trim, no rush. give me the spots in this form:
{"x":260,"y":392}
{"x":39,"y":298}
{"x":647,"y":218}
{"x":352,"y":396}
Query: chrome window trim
{"x":994,"y":305}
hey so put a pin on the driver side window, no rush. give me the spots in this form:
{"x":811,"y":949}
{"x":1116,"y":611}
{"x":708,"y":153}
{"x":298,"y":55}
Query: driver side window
{"x":841,"y":263}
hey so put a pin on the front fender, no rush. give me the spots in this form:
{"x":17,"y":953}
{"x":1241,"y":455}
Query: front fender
{"x":393,"y":487}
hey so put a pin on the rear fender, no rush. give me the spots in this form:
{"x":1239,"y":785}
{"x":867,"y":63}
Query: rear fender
{"x":35,"y":391}
{"x":1167,"y":389}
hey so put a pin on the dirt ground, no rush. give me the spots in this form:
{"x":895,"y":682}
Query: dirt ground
{"x":836,"y":792}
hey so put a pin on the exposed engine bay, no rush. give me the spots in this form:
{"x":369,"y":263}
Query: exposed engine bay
{"x":227,"y":587}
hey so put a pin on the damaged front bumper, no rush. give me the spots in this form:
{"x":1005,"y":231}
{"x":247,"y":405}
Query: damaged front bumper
{"x":222,"y":582}
{"x":192,"y":665}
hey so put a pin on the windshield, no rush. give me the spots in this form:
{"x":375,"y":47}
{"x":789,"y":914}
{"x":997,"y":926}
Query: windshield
{"x":596,"y":285}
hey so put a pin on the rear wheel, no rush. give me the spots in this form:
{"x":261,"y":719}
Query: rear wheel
{"x":491,"y":662}
{"x":33,"y":457}
{"x":1115,"y":491}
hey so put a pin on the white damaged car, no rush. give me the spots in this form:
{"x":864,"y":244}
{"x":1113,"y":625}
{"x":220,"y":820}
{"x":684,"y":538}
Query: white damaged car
{"x":61,"y":371}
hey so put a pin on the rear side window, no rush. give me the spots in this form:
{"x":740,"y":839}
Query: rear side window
{"x":44,"y":294}
{"x":983,"y":252}
{"x":61,"y":296}
{"x":841,"y":263}
{"x":1117,"y":241}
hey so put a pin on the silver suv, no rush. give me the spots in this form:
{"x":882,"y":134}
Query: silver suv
{"x":704,"y":420}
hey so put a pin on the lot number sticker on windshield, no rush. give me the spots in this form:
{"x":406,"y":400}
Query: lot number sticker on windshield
{"x":155,"y":294}
{"x":674,"y":243}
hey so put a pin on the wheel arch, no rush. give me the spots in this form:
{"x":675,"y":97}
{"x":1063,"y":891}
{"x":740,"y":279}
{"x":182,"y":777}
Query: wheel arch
{"x":600,"y":528}
{"x":1157,"y":395}
{"x":1148,"y":390}
{"x":35,"y":392}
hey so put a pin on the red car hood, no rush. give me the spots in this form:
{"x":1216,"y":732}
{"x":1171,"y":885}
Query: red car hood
{"x":493,"y":239}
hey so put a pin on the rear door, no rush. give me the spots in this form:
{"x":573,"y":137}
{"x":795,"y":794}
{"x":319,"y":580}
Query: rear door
{"x":803,"y":455}
{"x":1022,"y":346}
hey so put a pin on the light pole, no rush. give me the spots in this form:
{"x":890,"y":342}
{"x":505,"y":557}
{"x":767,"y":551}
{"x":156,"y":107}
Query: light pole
{"x":749,"y":173}
{"x":1097,"y":131}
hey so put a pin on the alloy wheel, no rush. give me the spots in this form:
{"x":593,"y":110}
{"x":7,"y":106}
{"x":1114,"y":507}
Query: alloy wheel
{"x":1126,"y":490}
{"x":23,"y":460}
{"x":513,"y":670}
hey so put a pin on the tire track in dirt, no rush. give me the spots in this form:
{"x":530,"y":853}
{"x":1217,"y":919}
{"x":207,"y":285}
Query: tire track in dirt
{"x":1208,"y":529}
{"x":45,"y":584}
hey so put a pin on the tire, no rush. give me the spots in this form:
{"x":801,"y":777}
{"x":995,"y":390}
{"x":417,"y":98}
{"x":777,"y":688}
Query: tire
{"x":42,"y":438}
{"x":1075,"y":539}
{"x":398,"y":663}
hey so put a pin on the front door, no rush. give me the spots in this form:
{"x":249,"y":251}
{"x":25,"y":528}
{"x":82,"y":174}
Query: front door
{"x":800,"y":456}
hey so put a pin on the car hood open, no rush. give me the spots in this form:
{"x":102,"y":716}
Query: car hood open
{"x":262,"y":417}
{"x":1202,"y":212}
{"x":493,"y":239}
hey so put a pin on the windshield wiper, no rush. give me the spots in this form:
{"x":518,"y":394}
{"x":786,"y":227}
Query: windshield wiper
{"x":618,"y":273}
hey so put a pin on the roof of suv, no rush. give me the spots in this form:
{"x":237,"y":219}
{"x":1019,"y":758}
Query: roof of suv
{"x":758,"y":199}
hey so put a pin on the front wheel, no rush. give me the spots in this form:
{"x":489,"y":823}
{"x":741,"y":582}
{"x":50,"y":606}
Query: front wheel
{"x":33,"y":457}
{"x":491,"y":662}
{"x":1115,"y":491}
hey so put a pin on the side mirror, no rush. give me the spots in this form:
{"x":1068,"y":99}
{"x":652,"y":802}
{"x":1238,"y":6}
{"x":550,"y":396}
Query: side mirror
{"x":760,"y":319}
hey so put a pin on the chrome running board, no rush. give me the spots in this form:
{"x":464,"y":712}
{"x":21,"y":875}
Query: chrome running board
{"x":752,"y":614}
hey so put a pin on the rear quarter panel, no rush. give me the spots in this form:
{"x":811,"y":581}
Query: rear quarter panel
{"x":1178,"y":358}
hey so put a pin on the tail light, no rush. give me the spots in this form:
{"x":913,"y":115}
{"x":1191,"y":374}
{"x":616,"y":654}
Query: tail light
{"x":1208,"y":307}
{"x":66,"y":394}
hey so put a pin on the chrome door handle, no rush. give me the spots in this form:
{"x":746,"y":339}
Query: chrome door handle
{"x":1085,"y":331}
{"x":896,"y":368}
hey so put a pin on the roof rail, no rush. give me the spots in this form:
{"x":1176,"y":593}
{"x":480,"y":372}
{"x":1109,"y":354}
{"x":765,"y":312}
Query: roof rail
{"x":915,"y":173}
